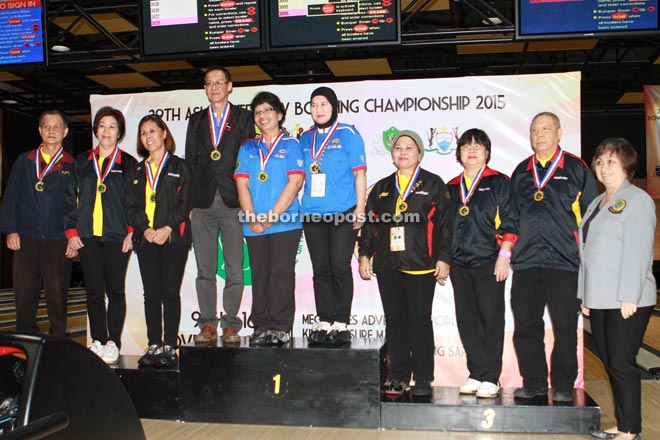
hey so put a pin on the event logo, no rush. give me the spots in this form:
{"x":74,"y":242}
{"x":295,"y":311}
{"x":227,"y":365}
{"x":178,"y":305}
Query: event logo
{"x":388,"y":137}
{"x":442,"y":140}
{"x":247,"y":272}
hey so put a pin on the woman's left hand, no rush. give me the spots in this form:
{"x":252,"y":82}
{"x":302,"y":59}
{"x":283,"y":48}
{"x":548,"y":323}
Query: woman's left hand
{"x":502,"y":265}
{"x":127,"y":245}
{"x":628,"y":309}
{"x":161,"y":235}
{"x":441,"y":272}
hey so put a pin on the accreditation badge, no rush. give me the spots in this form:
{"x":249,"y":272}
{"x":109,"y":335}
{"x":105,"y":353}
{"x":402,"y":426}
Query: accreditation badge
{"x":318,"y":185}
{"x":397,"y":239}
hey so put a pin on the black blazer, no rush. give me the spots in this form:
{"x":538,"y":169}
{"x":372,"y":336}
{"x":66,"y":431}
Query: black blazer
{"x":171,"y":201}
{"x":207,"y":174}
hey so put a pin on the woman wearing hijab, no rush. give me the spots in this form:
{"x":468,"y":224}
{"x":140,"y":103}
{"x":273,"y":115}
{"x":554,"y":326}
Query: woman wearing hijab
{"x":336,"y":185}
{"x":98,"y":230}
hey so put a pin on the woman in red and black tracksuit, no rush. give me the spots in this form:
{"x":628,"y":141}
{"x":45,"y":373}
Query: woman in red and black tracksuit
{"x":484,"y":234}
{"x":157,"y":201}
{"x":408,"y":234}
{"x":97,"y":229}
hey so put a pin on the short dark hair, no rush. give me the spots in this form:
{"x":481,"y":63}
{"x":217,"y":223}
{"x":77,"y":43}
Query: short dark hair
{"x":170,"y":145}
{"x":53,"y":113}
{"x":109,"y":111}
{"x":224,"y":70}
{"x":269,"y":98}
{"x":621,"y":148}
{"x":474,"y":134}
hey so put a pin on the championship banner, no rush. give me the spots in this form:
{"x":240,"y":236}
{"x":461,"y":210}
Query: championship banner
{"x":652,"y":111}
{"x":439,"y":110}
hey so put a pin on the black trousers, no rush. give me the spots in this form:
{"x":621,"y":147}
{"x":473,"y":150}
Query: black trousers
{"x":407,"y":302}
{"x":40,"y":260}
{"x":618,"y":341}
{"x":479,"y":302}
{"x":161,"y":269}
{"x":104,"y":270}
{"x":531,"y":290}
{"x":273,"y":263}
{"x":330,"y":249}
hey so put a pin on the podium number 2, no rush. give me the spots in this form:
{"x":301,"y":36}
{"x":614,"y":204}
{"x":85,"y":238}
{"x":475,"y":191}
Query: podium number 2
{"x":276,"y":385}
{"x":489,"y":417}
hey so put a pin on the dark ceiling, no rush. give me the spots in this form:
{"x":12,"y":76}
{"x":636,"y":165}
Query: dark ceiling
{"x":441,"y":38}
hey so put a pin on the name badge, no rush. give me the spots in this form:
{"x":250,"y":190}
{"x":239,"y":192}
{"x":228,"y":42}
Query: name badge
{"x":397,"y":239}
{"x":318,"y":185}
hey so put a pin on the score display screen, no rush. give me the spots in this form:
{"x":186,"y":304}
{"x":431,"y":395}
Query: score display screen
{"x":585,"y":17}
{"x":22,"y":31}
{"x":315,"y":23}
{"x":174,"y":27}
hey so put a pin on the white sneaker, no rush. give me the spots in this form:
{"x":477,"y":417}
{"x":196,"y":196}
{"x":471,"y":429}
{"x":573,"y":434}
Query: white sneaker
{"x":488,"y":390}
{"x":110,"y":353}
{"x":339,"y":326}
{"x":322,"y":326}
{"x":470,"y":386}
{"x":97,"y":348}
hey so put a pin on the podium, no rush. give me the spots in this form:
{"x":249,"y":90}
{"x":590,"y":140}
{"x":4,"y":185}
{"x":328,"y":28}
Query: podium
{"x":299,"y":385}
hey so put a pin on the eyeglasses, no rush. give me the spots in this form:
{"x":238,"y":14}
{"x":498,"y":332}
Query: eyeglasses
{"x":473,"y":147}
{"x":264,"y":111}
{"x":218,"y":83}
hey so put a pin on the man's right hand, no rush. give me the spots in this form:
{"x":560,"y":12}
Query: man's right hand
{"x":14,"y":241}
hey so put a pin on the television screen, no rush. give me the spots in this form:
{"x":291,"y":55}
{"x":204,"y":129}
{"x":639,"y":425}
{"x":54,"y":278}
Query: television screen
{"x":22,"y":31}
{"x":584,"y":18}
{"x":176,"y":27}
{"x":334,"y":23}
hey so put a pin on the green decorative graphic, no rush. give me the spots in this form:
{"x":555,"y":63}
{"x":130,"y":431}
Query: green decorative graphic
{"x":247,"y":272}
{"x":388,"y":137}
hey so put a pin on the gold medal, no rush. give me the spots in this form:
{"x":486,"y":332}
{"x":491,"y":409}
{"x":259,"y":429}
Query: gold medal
{"x":39,"y":186}
{"x":538,"y":196}
{"x":153,"y":197}
{"x":262,"y":177}
{"x":315,"y":168}
{"x":215,"y":155}
{"x":403,"y":206}
{"x":463,"y":211}
{"x":101,"y":188}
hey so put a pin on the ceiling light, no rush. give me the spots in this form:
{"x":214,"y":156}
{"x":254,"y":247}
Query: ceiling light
{"x":60,"y":48}
{"x":496,"y":21}
{"x":9,"y":101}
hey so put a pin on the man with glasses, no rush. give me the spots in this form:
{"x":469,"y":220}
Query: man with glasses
{"x":212,"y":142}
{"x":32,"y":217}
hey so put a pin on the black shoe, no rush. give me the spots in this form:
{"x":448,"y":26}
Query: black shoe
{"x":167,"y":358}
{"x":148,"y":359}
{"x":601,"y":434}
{"x":258,"y":338}
{"x":562,"y":395}
{"x":277,"y":337}
{"x":422,"y":389}
{"x":530,"y":393}
{"x":317,"y":337}
{"x":396,"y":388}
{"x":338,"y":337}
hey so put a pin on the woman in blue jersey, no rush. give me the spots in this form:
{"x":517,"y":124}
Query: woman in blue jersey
{"x":268,"y":176}
{"x":484,"y":234}
{"x":337,"y":185}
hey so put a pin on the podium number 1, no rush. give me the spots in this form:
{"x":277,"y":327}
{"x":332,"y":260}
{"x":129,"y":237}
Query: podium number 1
{"x":276,"y":387}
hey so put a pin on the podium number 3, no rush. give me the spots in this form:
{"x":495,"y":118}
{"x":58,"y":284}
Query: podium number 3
{"x":489,"y":417}
{"x":276,"y":385}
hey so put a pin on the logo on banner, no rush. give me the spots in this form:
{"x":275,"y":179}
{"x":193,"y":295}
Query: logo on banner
{"x":442,"y":140}
{"x":247,"y":272}
{"x":388,"y":137}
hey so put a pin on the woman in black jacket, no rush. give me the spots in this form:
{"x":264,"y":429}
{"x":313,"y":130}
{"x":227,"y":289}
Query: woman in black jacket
{"x":408,"y":234}
{"x":98,"y":230}
{"x":157,"y":211}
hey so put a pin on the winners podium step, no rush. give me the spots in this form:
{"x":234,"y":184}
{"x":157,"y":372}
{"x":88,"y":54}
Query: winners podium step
{"x":335,"y":387}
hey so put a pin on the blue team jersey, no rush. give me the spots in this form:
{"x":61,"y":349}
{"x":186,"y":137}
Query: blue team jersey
{"x":343,"y":155}
{"x":285,"y":160}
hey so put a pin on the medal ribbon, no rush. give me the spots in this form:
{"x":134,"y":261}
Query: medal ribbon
{"x":153,"y":180}
{"x":548,"y":174}
{"x":53,"y":161}
{"x":97,"y":168}
{"x":263,"y":160}
{"x":465,"y":194}
{"x":215,"y":128}
{"x":317,"y":153}
{"x":413,"y":178}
